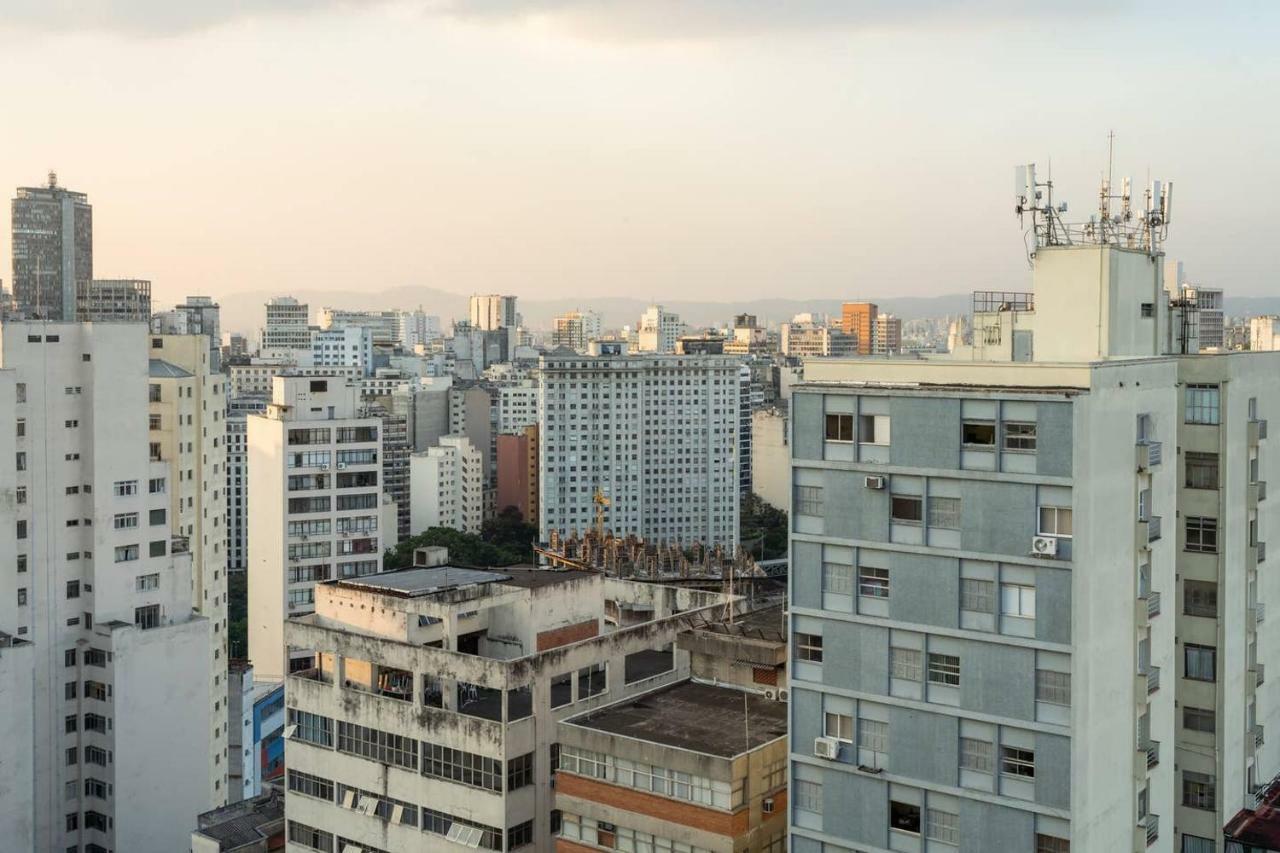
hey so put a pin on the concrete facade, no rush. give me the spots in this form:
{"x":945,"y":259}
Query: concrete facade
{"x":315,"y":499}
{"x":518,"y":473}
{"x":446,"y":487}
{"x":461,"y":676}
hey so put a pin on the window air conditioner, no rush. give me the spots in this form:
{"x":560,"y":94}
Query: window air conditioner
{"x":874,"y":482}
{"x":826,"y":747}
{"x":766,"y":805}
{"x":1044,"y":546}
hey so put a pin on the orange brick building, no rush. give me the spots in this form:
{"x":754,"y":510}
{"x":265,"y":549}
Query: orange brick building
{"x":859,"y":318}
{"x":692,"y":767}
{"x":517,"y":475}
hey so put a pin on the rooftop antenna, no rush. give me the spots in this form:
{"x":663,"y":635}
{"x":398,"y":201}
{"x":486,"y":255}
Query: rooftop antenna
{"x":53,"y":179}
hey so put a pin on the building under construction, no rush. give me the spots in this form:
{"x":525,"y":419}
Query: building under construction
{"x":632,"y":558}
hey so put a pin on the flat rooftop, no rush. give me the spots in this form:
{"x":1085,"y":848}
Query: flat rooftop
{"x":704,"y":718}
{"x":419,"y":582}
{"x":244,"y":822}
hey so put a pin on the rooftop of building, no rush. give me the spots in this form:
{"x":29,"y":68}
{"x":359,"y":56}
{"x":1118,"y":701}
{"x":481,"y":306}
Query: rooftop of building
{"x":245,"y":822}
{"x":161,"y":369}
{"x":421,"y":582}
{"x":1259,"y":827}
{"x":690,"y":715}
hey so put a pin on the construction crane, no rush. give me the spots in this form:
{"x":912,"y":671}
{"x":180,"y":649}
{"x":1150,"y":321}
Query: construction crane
{"x":601,"y":501}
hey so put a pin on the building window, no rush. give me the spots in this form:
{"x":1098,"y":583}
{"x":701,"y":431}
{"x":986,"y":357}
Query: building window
{"x":156,"y":485}
{"x":906,"y":509}
{"x":906,"y":663}
{"x":147,"y":617}
{"x":872,"y":582}
{"x":20,"y":529}
{"x":1200,"y":598}
{"x":153,"y":422}
{"x":1200,"y":662}
{"x":944,"y":669}
{"x":1202,"y":404}
{"x":311,"y":728}
{"x":809,"y":647}
{"x":1199,"y":719}
{"x":22,"y":596}
{"x":1015,"y":761}
{"x":73,"y":589}
{"x":1017,"y":600}
{"x":873,"y":735}
{"x":942,"y":826}
{"x":125,"y":488}
{"x":944,"y":513}
{"x":309,"y":836}
{"x":1055,"y":521}
{"x":1019,"y":436}
{"x":125,"y":521}
{"x":977,"y":596}
{"x":808,"y":796}
{"x":808,"y":500}
{"x":126,"y":553}
{"x":904,"y":817}
{"x":979,"y":434}
{"x":839,"y":427}
{"x":1051,"y":844}
{"x":1196,"y":844}
{"x":976,"y":755}
{"x":1201,"y":470}
{"x":1202,"y":534}
{"x":838,"y":726}
{"x":520,"y":771}
{"x":310,"y":786}
{"x":156,"y":516}
{"x":837,"y":578}
{"x":145,"y":583}
{"x":1053,"y":687}
{"x":520,"y":835}
{"x":1199,"y":790}
{"x":377,"y":745}
{"x":873,"y":429}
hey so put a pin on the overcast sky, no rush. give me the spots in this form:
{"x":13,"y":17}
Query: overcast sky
{"x":714,"y":149}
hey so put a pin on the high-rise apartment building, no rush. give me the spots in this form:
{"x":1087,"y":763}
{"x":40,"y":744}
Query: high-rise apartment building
{"x":807,"y":339}
{"x":658,"y":331}
{"x":654,"y":434}
{"x":383,"y":326}
{"x":52,"y":250}
{"x":114,"y":300}
{"x":199,"y":315}
{"x":343,"y":346}
{"x":1264,"y":333}
{"x":518,"y":473}
{"x":418,"y":329}
{"x":1028,"y":587}
{"x":315,"y":500}
{"x":187,"y":429}
{"x":575,"y":329}
{"x":99,"y":580}
{"x":287,"y":325}
{"x":493,"y":311}
{"x":859,"y":319}
{"x":238,"y":411}
{"x":428,"y":721}
{"x":446,"y":486}
{"x":887,"y":337}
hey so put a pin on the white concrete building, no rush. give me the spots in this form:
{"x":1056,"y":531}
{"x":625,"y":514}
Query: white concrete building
{"x":1028,"y":587}
{"x":770,"y":457}
{"x":102,"y":585}
{"x":187,"y":429}
{"x":658,"y":330}
{"x":288,"y":325}
{"x":257,"y":377}
{"x":419,"y":329}
{"x":383,"y":326}
{"x":517,"y":406}
{"x":237,"y":524}
{"x":576,"y":329}
{"x":17,"y":735}
{"x":1264,"y":333}
{"x":315,"y":500}
{"x":493,"y":311}
{"x":347,"y":346}
{"x":446,"y":486}
{"x":429,"y":720}
{"x":656,"y":434}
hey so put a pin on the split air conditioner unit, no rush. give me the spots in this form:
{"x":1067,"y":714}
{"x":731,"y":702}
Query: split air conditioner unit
{"x":826,"y":747}
{"x":1044,"y":546}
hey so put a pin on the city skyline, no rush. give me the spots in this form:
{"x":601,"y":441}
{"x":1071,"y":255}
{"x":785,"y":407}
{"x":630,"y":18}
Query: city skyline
{"x":711,"y":153}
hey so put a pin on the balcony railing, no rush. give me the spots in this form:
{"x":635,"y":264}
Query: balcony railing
{"x":1260,"y":611}
{"x":1258,"y":736}
{"x":1261,"y":671}
{"x":1153,"y":753}
{"x":1153,"y":679}
{"x":1153,"y":603}
{"x":1153,"y":828}
{"x":1153,"y":528}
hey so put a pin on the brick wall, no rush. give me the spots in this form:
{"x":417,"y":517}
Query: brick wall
{"x":567,"y":634}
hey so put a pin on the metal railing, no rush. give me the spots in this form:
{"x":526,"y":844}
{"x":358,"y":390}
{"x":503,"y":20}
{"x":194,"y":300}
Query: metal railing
{"x":1261,"y":671}
{"x":1258,"y":736}
{"x":986,"y":301}
{"x":1153,"y":528}
{"x":1153,"y":603}
{"x":1153,"y":678}
{"x":1259,"y":611}
{"x":1153,"y":828}
{"x":1153,"y":753}
{"x":1152,"y":453}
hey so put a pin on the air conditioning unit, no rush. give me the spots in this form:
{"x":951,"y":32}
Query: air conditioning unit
{"x":766,"y":805}
{"x":826,"y":747}
{"x":324,"y":467}
{"x":341,"y":465}
{"x":874,"y":482}
{"x":769,"y":694}
{"x":1044,"y":546}
{"x":782,"y":695}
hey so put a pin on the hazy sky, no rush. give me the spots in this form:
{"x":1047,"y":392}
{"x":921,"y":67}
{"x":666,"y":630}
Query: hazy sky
{"x":712,"y":149}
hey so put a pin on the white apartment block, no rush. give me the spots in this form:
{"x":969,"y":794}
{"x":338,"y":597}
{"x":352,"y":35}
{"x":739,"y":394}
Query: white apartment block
{"x":1264,"y":333}
{"x":288,"y":325}
{"x":187,"y":429}
{"x":237,"y":525}
{"x":343,"y":346}
{"x":418,"y":329}
{"x":428,"y":721}
{"x":100,"y":584}
{"x":258,"y":376}
{"x":446,"y":487}
{"x":315,"y":500}
{"x":17,"y":730}
{"x":493,"y":311}
{"x":383,"y":326}
{"x":517,"y":406}
{"x":659,"y":330}
{"x":1028,"y":585}
{"x":576,"y":329}
{"x":655,"y":434}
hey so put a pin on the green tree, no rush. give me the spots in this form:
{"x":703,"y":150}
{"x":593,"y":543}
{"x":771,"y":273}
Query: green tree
{"x":505,"y":540}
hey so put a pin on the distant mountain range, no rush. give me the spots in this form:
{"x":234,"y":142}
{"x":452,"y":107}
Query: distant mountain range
{"x":244,"y":312}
